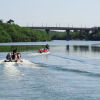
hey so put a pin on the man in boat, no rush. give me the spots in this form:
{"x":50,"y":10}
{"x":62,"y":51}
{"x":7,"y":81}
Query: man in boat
{"x":8,"y":57}
{"x":40,"y":50}
{"x":18,"y":57}
{"x":14,"y":59}
{"x":14,"y":51}
{"x":45,"y":50}
{"x":15,"y":56}
{"x":47,"y":46}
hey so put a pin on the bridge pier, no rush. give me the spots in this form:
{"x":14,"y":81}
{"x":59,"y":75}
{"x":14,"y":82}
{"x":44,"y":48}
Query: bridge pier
{"x":87,"y":34}
{"x":68,"y":35}
{"x":47,"y":31}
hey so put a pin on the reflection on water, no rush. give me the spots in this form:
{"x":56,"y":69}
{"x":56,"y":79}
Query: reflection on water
{"x":67,"y":48}
{"x":32,"y":47}
{"x":82,"y":48}
{"x":90,"y":50}
{"x":19,"y":48}
{"x":86,"y":51}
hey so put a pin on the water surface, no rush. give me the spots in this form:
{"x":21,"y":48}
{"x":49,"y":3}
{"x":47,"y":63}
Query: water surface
{"x":70,"y":71}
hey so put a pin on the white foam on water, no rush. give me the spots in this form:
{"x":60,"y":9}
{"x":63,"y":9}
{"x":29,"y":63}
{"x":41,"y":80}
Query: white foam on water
{"x":45,"y":53}
{"x":36,"y":54}
{"x":24,"y":63}
{"x":7,"y":63}
{"x":11,"y":70}
{"x":33,"y":54}
{"x":28,"y":64}
{"x":1,"y":61}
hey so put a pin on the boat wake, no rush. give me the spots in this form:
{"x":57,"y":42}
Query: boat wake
{"x":28,"y":64}
{"x":24,"y":63}
{"x":76,"y":70}
{"x":37,"y":54}
{"x":79,"y":60}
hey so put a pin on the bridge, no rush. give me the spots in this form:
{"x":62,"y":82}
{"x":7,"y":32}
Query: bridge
{"x":67,"y":29}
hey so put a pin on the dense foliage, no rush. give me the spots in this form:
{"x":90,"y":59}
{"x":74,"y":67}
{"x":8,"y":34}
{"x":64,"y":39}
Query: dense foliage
{"x":57,"y":35}
{"x":10,"y":32}
{"x":75,"y":35}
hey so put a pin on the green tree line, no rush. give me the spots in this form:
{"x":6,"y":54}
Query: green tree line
{"x":10,"y":32}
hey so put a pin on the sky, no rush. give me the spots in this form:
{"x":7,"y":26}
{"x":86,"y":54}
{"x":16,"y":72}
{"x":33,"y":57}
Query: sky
{"x":76,"y":13}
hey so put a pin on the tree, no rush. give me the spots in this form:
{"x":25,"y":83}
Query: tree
{"x":1,"y":21}
{"x":10,"y":21}
{"x":15,"y":33}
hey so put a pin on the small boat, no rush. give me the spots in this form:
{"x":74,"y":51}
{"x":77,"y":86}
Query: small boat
{"x":13,"y":60}
{"x":13,"y":57}
{"x":43,"y":50}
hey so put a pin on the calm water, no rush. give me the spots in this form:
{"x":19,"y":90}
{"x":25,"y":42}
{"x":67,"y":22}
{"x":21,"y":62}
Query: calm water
{"x":70,"y":71}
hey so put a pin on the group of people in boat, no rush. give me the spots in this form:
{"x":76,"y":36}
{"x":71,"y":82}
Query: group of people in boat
{"x":13,"y":57}
{"x":46,"y":49}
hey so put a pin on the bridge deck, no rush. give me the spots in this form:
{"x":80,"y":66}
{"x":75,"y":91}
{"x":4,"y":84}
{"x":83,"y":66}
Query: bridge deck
{"x":63,"y":28}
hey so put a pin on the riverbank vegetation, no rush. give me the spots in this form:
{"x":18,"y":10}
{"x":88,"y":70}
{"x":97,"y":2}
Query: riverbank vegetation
{"x":10,"y":32}
{"x":76,"y":35}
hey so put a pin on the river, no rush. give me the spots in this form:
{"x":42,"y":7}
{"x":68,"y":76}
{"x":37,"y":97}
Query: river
{"x":69,"y":71}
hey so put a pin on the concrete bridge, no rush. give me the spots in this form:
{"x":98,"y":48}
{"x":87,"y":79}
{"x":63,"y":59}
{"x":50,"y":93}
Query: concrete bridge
{"x":67,"y":29}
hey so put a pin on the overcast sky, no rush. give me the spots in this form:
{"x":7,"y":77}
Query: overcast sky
{"x":51,"y":12}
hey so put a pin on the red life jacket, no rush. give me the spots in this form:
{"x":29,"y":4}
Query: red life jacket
{"x":45,"y":50}
{"x":40,"y":50}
